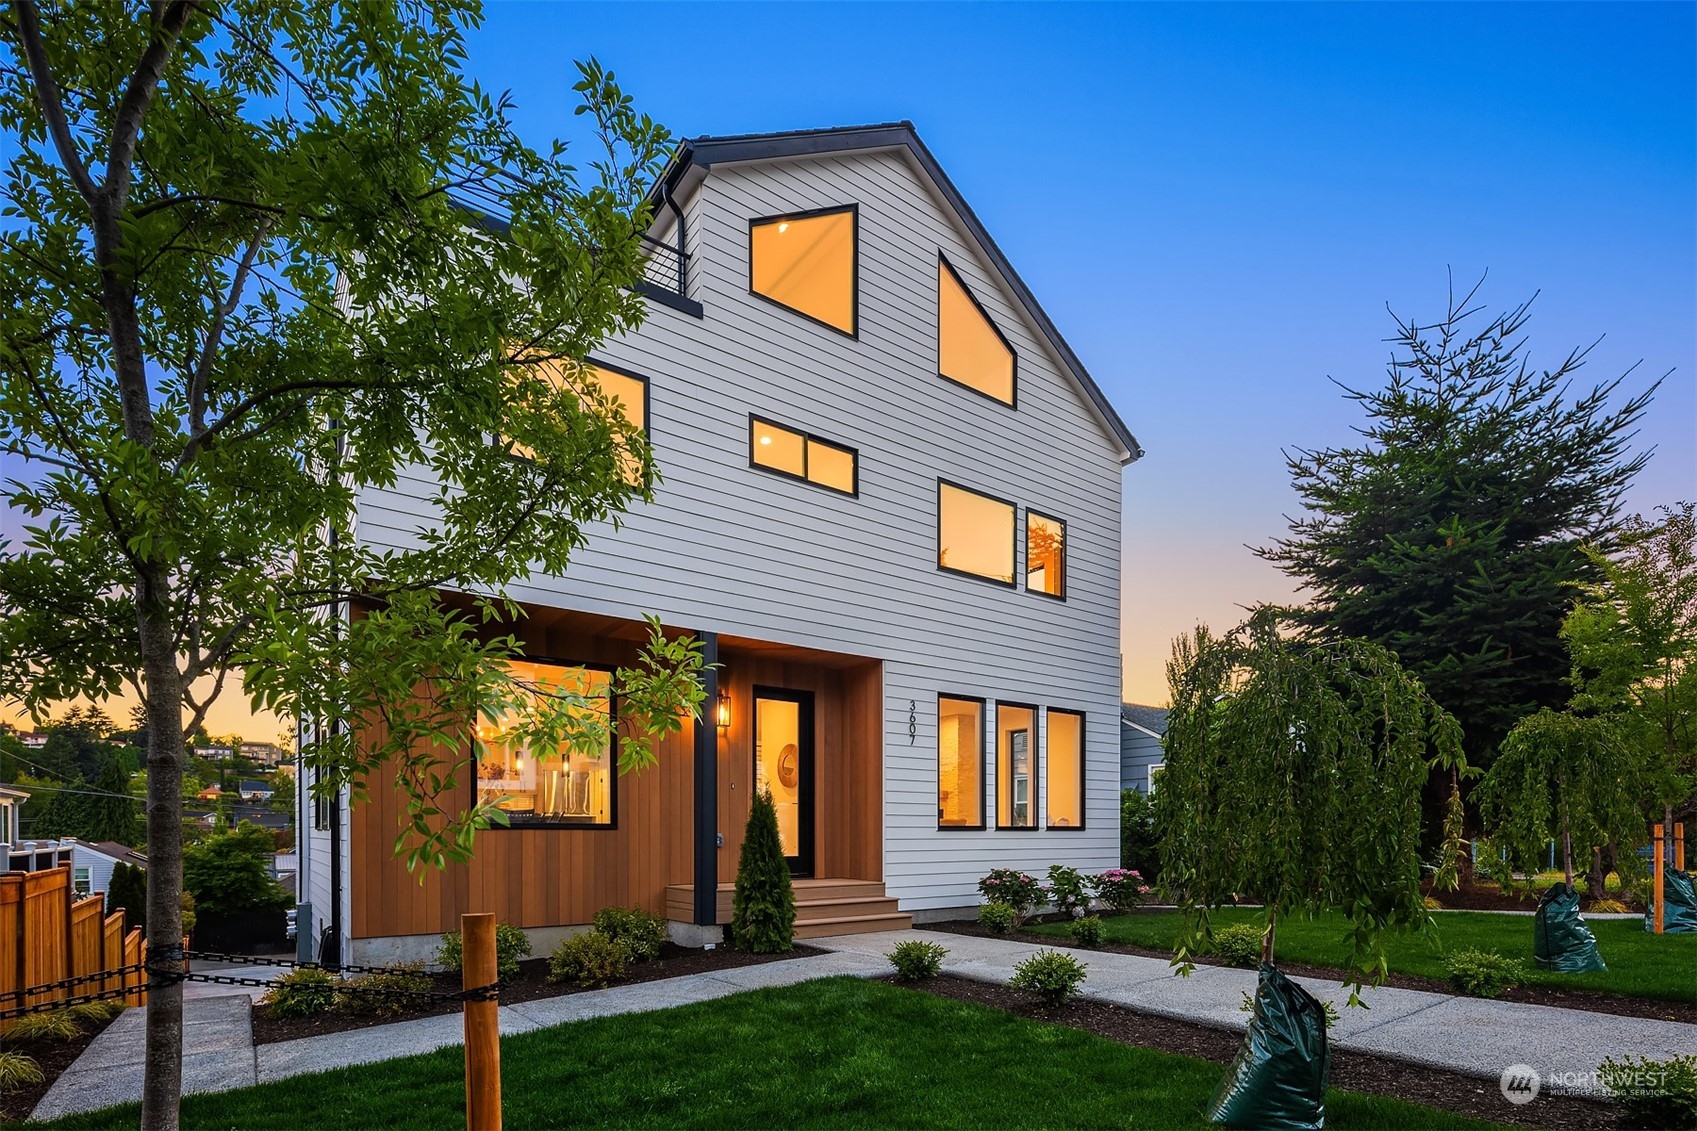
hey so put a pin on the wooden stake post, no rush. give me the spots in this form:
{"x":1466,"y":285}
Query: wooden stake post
{"x":1679,"y":845}
{"x":482,"y":1025}
{"x":1661,"y":867}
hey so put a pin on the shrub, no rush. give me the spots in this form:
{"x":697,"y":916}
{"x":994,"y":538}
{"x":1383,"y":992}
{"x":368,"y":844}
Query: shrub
{"x":230,"y":872}
{"x":99,"y":1012}
{"x":305,"y":992}
{"x":997,"y":918}
{"x":1067,"y":891}
{"x":1120,"y":888}
{"x":915,"y":960}
{"x":1654,"y":1093}
{"x":1431,"y":904}
{"x":1019,"y":891}
{"x":589,"y":959}
{"x":17,"y":1070}
{"x":1140,"y":849}
{"x":511,"y":945}
{"x":1049,"y":974}
{"x":1086,"y":931}
{"x":1608,"y":907}
{"x":59,"y":1025}
{"x":763,"y":908}
{"x":126,"y":891}
{"x":1482,"y":973}
{"x":378,"y":995}
{"x":642,"y":933}
{"x":1237,"y":945}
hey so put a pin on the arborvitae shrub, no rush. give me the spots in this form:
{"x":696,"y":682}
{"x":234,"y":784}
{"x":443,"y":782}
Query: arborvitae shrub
{"x":763,"y":911}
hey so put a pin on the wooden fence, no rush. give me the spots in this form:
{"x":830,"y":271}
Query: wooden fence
{"x":48,"y":935}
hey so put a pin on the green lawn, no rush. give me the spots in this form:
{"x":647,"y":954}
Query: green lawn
{"x":1640,"y":964}
{"x":834,"y":1053}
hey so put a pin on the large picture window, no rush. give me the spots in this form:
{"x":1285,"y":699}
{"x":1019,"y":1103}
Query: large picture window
{"x":628,"y":392}
{"x":975,"y":533}
{"x":960,"y":763}
{"x":970,"y":349}
{"x":1016,"y":766}
{"x":1045,"y":555}
{"x":807,"y":263}
{"x":1064,"y":785}
{"x":773,"y":447}
{"x":557,"y":785}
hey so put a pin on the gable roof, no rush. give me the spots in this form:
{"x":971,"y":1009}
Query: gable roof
{"x":702,"y":153}
{"x":1150,"y":720}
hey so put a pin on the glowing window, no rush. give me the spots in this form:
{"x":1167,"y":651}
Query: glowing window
{"x":807,"y":263}
{"x":628,"y":393}
{"x":1045,"y":554}
{"x":571,"y":784}
{"x":970,"y":350}
{"x":1016,"y":766}
{"x":1064,"y":776}
{"x":960,"y":763}
{"x":975,"y":534}
{"x":774,"y":447}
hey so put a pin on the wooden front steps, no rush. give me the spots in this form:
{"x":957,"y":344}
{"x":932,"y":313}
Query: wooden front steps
{"x":822,"y":907}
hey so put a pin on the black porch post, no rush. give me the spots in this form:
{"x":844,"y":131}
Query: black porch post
{"x":707,"y":789}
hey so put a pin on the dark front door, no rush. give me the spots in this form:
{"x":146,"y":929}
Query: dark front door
{"x":783,"y":763}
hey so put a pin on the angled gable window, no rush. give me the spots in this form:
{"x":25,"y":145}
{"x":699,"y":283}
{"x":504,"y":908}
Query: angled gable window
{"x":773,"y":447}
{"x":970,"y":349}
{"x":808,"y":263}
{"x":628,"y":392}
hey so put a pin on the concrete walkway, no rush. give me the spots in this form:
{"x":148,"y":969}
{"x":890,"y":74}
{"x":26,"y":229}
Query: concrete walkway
{"x":1465,"y":1035}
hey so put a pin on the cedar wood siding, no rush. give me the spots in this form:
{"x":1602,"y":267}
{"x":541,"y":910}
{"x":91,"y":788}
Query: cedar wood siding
{"x":729,"y":548}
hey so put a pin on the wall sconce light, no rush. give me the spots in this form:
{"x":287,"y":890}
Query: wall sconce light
{"x":722,"y":711}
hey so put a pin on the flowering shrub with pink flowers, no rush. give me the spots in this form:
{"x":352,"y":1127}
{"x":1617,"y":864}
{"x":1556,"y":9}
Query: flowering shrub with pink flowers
{"x":1019,"y":891}
{"x":1120,"y":888}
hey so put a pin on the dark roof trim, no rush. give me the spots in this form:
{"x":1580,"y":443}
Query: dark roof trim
{"x":705,"y":152}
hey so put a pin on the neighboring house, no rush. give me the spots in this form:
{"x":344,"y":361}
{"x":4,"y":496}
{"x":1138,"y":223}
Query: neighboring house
{"x":92,"y":862}
{"x":255,"y":791}
{"x":890,"y":510}
{"x":265,"y":753}
{"x":1141,"y":756}
{"x":11,"y":810}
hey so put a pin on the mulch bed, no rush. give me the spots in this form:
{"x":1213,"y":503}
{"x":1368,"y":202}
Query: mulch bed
{"x":1592,"y":1001}
{"x":1490,"y":897}
{"x":532,"y":984}
{"x":54,"y":1057}
{"x":1353,"y":1071}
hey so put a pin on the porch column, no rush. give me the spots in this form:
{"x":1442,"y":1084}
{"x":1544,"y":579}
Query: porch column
{"x":707,"y":788}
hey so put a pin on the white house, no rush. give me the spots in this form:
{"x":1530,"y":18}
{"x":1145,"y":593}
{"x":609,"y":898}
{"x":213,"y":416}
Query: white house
{"x":890,"y":509}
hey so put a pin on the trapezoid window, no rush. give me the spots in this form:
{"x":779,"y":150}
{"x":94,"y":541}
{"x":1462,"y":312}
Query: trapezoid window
{"x":773,"y":447}
{"x":975,"y":533}
{"x":807,"y":262}
{"x":970,"y":349}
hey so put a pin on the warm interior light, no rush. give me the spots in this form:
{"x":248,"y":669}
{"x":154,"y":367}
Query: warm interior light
{"x":722,"y":711}
{"x":518,"y":764}
{"x":765,"y":439}
{"x":782,"y":228}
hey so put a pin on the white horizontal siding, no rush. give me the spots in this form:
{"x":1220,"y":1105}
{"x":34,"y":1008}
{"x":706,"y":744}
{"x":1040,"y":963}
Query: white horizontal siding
{"x":729,"y":548}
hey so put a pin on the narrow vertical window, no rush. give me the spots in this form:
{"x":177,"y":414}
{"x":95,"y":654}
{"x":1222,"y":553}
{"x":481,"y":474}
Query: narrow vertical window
{"x":960,"y":763}
{"x":970,"y":349}
{"x":807,"y":263}
{"x":1016,"y":766}
{"x":1065,"y":770}
{"x":1045,"y":555}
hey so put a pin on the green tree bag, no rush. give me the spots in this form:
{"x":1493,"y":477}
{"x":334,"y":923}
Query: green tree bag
{"x":1560,"y":939}
{"x":1679,"y":898}
{"x":1278,"y":1077}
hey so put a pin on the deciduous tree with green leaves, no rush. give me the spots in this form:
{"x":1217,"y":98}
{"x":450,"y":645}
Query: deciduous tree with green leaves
{"x":1293,"y":776}
{"x":259,"y":258}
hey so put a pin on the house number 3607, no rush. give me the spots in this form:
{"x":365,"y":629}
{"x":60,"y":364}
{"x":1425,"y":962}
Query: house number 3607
{"x":912,"y":721}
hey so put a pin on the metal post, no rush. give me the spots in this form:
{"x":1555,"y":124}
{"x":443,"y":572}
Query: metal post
{"x":707,"y":789}
{"x":482,"y":1025}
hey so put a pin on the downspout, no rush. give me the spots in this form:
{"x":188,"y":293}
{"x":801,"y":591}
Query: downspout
{"x":683,"y":237}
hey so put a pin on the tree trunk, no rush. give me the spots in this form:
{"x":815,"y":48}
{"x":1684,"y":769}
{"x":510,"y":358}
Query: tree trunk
{"x":1567,"y":854}
{"x":1596,"y":877}
{"x":1268,"y":936}
{"x":163,"y":1079}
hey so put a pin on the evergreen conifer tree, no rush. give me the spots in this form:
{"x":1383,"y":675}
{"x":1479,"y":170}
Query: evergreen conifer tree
{"x":763,"y":909}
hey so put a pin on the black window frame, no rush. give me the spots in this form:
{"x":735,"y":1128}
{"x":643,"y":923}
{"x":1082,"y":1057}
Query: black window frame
{"x":983,"y":764}
{"x":1083,"y":781}
{"x":647,"y":406}
{"x":612,"y":824}
{"x":1005,"y":781}
{"x":807,"y":438}
{"x":1031,"y":512}
{"x":1011,"y":583}
{"x":810,"y":214}
{"x":1012,"y":405}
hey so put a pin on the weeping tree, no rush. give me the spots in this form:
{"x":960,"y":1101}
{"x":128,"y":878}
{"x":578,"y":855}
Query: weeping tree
{"x":1568,"y":778}
{"x":1293,"y":777}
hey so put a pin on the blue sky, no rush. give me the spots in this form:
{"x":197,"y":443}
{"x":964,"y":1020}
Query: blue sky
{"x":1216,"y":203}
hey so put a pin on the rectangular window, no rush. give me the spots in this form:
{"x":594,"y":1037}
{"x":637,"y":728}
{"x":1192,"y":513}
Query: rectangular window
{"x":1016,"y":766}
{"x":1045,"y":555}
{"x":807,"y":262}
{"x":774,"y":447}
{"x":81,"y":881}
{"x":975,"y":533}
{"x":1064,"y":776}
{"x":970,"y":349}
{"x":568,"y":784}
{"x":960,"y":763}
{"x":627,"y":392}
